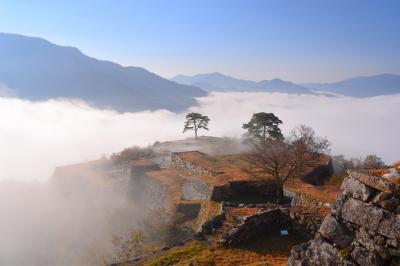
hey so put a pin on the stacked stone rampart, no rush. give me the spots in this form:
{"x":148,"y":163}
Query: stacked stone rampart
{"x":303,"y":200}
{"x":363,"y":227}
{"x":268,"y":189}
{"x":177,"y":162}
{"x":256,"y":225}
{"x":319,"y":174}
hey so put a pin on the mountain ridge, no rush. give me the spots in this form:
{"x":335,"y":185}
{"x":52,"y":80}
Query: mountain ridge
{"x":360,"y":86}
{"x":36,"y":69}
{"x":219,"y":82}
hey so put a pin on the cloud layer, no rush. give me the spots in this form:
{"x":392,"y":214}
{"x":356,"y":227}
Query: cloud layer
{"x":37,"y":136}
{"x":71,"y":223}
{"x":355,"y":126}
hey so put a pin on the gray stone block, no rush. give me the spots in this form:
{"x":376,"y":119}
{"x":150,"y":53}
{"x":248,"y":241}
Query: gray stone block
{"x":361,"y":213}
{"x":334,"y":231}
{"x":356,"y":189}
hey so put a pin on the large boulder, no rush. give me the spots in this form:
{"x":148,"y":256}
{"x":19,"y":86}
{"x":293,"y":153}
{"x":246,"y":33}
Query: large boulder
{"x":356,"y":189}
{"x":332,"y":230}
{"x":361,"y":213}
{"x":376,"y":182}
{"x":390,"y":225}
{"x":364,"y":257}
{"x":320,"y":252}
{"x":337,"y":205}
{"x":372,"y":242}
{"x":386,"y":200}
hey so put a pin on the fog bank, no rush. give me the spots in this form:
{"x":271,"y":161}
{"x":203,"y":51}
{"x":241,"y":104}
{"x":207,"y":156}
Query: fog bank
{"x":37,"y":136}
{"x":355,"y":126}
{"x":70,"y":219}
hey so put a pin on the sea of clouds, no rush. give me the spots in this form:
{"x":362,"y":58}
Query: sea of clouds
{"x":47,"y":223}
{"x":35,"y":137}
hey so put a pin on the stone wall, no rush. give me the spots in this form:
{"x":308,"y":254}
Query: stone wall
{"x":306,"y":220}
{"x":363,"y":227}
{"x":304,"y":200}
{"x":256,"y":190}
{"x":182,"y":165}
{"x":211,"y":226}
{"x":187,"y":211}
{"x":139,"y":170}
{"x":319,"y":174}
{"x":255,"y":225}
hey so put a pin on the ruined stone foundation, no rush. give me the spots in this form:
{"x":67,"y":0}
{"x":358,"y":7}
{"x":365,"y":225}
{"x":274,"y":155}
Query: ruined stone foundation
{"x":363,"y":227}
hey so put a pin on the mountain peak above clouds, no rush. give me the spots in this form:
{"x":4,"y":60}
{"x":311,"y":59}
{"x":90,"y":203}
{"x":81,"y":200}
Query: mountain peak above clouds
{"x":363,"y":86}
{"x":37,"y":69}
{"x":219,"y":82}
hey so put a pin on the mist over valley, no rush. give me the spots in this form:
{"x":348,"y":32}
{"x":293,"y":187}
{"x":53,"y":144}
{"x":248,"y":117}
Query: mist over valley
{"x":203,"y":133}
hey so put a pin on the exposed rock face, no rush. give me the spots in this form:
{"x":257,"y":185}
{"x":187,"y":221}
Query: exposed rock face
{"x":362,"y":229}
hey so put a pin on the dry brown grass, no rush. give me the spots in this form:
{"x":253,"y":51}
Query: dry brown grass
{"x":325,"y":192}
{"x":267,"y":250}
{"x":378,"y":172}
{"x":242,"y":211}
{"x":230,"y":168}
{"x":226,"y":167}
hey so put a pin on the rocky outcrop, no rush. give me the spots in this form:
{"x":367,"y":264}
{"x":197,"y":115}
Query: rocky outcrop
{"x":362,"y":229}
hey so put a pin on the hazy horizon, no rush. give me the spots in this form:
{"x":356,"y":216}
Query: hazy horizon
{"x":300,"y":42}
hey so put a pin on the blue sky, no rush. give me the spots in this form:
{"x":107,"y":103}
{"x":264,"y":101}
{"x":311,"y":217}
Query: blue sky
{"x":302,"y":41}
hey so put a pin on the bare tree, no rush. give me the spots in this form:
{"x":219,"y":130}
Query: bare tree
{"x":373,"y":162}
{"x":341,"y":164}
{"x":284,"y":159}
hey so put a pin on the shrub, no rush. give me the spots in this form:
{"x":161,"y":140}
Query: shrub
{"x":134,"y":153}
{"x":345,"y":254}
{"x":335,"y":180}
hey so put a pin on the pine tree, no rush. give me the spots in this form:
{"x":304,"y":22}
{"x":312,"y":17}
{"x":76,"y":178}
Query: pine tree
{"x":196,"y":121}
{"x":263,"y":126}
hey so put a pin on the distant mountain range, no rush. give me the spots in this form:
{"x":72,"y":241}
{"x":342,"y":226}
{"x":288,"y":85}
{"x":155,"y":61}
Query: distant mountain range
{"x":219,"y":82}
{"x":383,"y":84}
{"x":36,"y":69}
